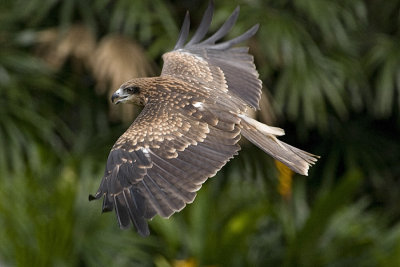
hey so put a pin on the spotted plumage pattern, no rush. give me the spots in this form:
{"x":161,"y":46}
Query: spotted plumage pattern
{"x":189,"y":128}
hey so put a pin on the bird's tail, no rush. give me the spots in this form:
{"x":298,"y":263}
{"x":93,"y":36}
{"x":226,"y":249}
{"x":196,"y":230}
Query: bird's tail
{"x":264,"y":137}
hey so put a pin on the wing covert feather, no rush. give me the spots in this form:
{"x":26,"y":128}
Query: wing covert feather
{"x":217,"y":66}
{"x":158,"y":165}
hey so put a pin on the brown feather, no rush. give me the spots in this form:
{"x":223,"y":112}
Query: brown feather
{"x":189,"y":127}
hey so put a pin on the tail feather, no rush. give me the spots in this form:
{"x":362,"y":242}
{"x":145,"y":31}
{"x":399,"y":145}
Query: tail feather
{"x":296,"y":159}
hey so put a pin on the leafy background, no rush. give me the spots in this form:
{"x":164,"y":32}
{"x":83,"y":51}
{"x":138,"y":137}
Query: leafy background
{"x":331,"y":70}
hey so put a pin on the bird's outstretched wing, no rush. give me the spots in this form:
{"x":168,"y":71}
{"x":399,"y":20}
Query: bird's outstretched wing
{"x":165,"y":156}
{"x":215,"y":65}
{"x":185,"y":137}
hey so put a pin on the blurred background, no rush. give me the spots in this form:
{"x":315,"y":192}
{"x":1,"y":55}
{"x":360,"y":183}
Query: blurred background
{"x":331,"y":74}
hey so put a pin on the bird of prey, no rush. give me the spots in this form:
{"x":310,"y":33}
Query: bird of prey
{"x":193,"y":117}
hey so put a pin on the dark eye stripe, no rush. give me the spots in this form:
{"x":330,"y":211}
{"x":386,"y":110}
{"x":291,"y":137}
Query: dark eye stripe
{"x":133,"y":89}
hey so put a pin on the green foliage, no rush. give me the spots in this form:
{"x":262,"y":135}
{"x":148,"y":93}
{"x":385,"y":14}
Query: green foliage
{"x":332,"y":68}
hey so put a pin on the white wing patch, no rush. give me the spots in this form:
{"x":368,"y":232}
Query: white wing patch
{"x":198,"y":105}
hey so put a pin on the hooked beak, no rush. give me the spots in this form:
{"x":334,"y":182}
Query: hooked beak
{"x":118,"y":96}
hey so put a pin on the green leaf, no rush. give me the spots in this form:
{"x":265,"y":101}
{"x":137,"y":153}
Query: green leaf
{"x":302,"y":250}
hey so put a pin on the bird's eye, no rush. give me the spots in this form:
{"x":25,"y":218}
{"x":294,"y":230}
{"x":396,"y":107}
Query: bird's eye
{"x":133,"y":90}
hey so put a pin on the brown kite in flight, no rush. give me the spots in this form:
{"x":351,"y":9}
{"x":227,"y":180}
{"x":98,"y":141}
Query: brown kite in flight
{"x":193,"y":117}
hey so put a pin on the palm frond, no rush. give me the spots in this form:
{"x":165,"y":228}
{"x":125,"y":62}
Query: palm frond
{"x":56,"y":45}
{"x":384,"y":59}
{"x":116,"y":60}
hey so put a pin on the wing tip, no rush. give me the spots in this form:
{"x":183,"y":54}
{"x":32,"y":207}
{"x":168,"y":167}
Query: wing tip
{"x":142,"y":229}
{"x":144,"y":232}
{"x":211,"y":4}
{"x":203,"y":28}
{"x":184,"y":32}
{"x":254,"y":28}
{"x":204,"y":25}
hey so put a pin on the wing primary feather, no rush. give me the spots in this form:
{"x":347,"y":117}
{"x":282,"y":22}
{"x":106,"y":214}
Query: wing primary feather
{"x":152,"y":200}
{"x":170,"y":198}
{"x":138,"y":200}
{"x":224,"y":29}
{"x":185,"y":184}
{"x":204,"y":24}
{"x":162,"y":196}
{"x":102,"y":188}
{"x":184,"y":32}
{"x":169,"y":164}
{"x":167,"y":172}
{"x":156,"y":201}
{"x":186,"y":196}
{"x":121,"y":212}
{"x":249,"y":33}
{"x":135,"y":213}
{"x":108,"y":204}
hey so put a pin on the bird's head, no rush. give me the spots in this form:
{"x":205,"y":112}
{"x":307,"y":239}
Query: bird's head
{"x":129,"y":92}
